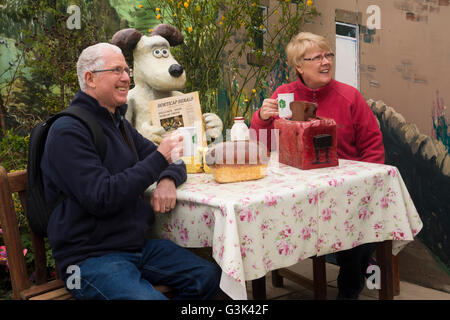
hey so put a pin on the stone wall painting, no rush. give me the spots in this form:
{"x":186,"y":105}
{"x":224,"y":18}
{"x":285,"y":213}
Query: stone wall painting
{"x":441,"y":130}
{"x":403,"y":68}
{"x":424,"y":163}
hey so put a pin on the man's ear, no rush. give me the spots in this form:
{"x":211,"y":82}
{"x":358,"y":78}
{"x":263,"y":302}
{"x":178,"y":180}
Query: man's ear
{"x":90,"y":79}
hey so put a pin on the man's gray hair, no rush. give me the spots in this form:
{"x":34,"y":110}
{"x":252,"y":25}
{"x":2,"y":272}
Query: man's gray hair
{"x":92,"y":59}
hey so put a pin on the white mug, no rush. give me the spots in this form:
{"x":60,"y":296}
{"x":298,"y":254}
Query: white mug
{"x":189,"y":140}
{"x":284,"y":101}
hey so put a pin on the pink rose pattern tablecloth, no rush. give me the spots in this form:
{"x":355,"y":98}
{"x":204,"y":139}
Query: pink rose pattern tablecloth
{"x":257,"y":226}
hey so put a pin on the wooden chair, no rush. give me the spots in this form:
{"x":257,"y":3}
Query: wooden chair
{"x":42,"y":288}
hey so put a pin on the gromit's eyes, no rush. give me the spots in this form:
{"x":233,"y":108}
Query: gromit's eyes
{"x":158,"y":53}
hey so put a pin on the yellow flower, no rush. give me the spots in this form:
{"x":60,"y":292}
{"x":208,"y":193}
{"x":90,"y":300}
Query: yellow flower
{"x":253,"y":91}
{"x":288,"y":0}
{"x":198,"y":8}
{"x":246,"y":100}
{"x":243,"y":24}
{"x":174,"y":14}
{"x":220,"y":22}
{"x":158,"y":9}
{"x":254,"y":4}
{"x":261,"y":27}
{"x":309,"y":3}
{"x":213,"y":92}
{"x":150,"y":30}
{"x":140,"y":6}
{"x":223,"y":17}
{"x":158,"y":16}
{"x":186,"y":4}
{"x":190,"y":29}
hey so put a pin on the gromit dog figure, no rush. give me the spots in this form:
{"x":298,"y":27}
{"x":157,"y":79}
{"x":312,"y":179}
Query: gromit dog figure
{"x":156,"y":75}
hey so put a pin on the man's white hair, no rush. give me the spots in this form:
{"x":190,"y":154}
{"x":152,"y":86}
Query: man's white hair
{"x":92,"y":59}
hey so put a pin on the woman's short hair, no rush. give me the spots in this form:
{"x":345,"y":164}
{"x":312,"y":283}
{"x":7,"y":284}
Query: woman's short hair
{"x":300,"y":43}
{"x":91,"y":58}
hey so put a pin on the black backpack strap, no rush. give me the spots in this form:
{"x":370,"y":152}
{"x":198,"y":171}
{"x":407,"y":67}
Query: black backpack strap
{"x":88,"y":119}
{"x":39,"y":210}
{"x":96,"y":130}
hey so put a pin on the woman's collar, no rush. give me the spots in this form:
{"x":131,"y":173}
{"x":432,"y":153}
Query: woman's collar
{"x":302,"y":86}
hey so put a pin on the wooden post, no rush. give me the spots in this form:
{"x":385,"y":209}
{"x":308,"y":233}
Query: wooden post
{"x":384,"y":259}
{"x":259,"y":289}
{"x":320,"y":278}
{"x":396,"y":275}
{"x":277,"y":280}
{"x":11,"y":237}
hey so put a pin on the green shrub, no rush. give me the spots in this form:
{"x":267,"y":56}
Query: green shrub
{"x":231,"y":47}
{"x":13,"y":151}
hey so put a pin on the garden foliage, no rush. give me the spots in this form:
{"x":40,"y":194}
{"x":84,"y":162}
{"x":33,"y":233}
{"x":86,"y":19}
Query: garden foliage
{"x":233,"y":50}
{"x":40,"y":79}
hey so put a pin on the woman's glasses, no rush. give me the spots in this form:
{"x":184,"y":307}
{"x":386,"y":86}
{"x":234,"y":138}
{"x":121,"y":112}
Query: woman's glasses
{"x":319,"y":58}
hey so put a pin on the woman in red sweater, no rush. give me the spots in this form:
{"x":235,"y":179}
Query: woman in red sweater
{"x":358,"y":135}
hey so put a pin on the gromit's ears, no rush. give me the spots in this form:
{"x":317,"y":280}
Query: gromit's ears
{"x":126,"y":39}
{"x":170,"y":33}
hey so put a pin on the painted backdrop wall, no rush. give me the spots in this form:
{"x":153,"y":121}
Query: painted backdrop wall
{"x":403,"y":64}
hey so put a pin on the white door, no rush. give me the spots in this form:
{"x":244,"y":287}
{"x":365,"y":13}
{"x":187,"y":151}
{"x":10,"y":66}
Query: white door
{"x":347,"y":54}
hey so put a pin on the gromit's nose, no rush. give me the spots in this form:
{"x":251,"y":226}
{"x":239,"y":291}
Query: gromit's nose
{"x":176,"y":70}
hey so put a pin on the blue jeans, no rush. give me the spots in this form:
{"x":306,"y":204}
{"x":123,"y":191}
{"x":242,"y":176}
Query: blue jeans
{"x":131,"y":276}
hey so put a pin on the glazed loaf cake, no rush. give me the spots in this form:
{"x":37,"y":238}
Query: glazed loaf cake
{"x":234,"y":161}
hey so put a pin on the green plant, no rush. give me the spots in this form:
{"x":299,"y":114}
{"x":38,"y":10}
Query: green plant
{"x":13,"y":151}
{"x":48,"y":51}
{"x":230,"y":47}
{"x":41,"y":79}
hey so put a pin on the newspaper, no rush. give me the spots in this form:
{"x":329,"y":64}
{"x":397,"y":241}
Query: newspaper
{"x":179,"y":111}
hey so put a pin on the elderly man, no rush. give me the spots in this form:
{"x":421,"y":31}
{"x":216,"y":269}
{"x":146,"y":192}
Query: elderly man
{"x":102,"y":225}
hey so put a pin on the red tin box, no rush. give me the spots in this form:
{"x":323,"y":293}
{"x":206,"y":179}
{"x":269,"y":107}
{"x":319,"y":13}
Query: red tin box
{"x":307,"y":144}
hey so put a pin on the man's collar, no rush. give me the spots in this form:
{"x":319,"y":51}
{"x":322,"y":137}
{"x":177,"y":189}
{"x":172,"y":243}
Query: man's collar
{"x":121,"y":109}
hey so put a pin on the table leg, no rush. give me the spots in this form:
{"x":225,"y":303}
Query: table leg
{"x":384,"y":259}
{"x":320,"y":278}
{"x":396,"y":275}
{"x":259,"y":289}
{"x":277,"y":280}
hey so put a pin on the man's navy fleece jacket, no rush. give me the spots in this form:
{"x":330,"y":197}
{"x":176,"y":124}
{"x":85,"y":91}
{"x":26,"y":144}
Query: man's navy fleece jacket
{"x":104,"y":211}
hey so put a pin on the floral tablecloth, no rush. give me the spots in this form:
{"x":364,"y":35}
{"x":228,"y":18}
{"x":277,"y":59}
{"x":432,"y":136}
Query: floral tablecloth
{"x":257,"y":226}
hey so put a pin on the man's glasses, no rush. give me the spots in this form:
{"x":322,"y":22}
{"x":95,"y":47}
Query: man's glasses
{"x":118,"y":71}
{"x":319,"y":58}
